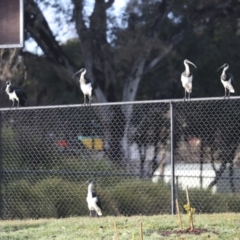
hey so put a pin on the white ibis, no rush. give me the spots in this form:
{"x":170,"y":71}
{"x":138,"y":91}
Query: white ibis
{"x":227,"y":79}
{"x":16,"y":94}
{"x":93,"y":201}
{"x":86,"y":85}
{"x":187,"y":78}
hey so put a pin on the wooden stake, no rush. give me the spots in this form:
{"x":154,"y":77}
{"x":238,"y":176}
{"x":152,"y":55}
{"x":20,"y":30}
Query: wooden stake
{"x":179,"y":216}
{"x":190,"y":215}
{"x":116,"y":230}
{"x":141,"y":233}
{"x":188,"y":201}
{"x":133,"y":236}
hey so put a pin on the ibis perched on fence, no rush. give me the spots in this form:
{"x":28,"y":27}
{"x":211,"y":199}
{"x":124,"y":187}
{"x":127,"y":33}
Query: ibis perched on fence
{"x":86,"y":85}
{"x":187,"y":78}
{"x":16,"y":94}
{"x":93,"y":201}
{"x":227,"y":79}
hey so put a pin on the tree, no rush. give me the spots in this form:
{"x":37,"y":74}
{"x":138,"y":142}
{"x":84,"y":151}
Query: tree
{"x":153,"y":30}
{"x":11,"y":67}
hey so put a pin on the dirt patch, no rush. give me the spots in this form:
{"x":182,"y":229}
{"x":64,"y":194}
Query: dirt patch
{"x":195,"y":231}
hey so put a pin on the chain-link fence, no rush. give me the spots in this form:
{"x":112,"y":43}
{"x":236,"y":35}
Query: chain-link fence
{"x":141,"y":156}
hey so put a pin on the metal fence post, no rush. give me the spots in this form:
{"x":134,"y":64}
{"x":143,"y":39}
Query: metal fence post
{"x":172,"y":159}
{"x":95,"y":178}
{"x":1,"y":169}
{"x":5,"y":203}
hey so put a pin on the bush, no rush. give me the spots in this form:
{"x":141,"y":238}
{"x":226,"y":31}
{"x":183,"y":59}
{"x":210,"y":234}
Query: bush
{"x":27,"y":201}
{"x":47,"y":198}
{"x":204,"y":201}
{"x":56,"y":197}
{"x":136,"y":197}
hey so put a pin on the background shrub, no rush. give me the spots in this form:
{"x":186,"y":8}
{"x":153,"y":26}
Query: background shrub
{"x":56,"y":197}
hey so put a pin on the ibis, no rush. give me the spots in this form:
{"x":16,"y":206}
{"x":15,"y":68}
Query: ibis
{"x":16,"y":94}
{"x":187,"y":78}
{"x":226,"y":79}
{"x":86,"y":85}
{"x":93,"y":201}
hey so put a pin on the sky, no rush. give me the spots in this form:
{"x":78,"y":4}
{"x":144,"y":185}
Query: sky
{"x":67,"y":31}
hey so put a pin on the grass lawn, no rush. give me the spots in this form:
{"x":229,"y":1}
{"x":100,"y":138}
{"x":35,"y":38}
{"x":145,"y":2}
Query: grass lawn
{"x":218,"y":226}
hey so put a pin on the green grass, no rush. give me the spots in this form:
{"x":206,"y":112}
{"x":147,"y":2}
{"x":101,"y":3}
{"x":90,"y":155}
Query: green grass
{"x":220,"y":226}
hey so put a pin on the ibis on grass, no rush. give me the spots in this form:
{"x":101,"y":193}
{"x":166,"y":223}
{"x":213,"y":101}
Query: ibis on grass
{"x":187,"y":78}
{"x":227,"y":79}
{"x":16,"y":94}
{"x":93,"y":201}
{"x":86,"y":85}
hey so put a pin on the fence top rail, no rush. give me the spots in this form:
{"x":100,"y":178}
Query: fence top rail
{"x":122,"y":103}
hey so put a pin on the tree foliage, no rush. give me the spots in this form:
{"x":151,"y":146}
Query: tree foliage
{"x":142,"y":58}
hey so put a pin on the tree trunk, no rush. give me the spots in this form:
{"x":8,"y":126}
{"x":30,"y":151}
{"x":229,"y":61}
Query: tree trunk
{"x":218,"y":174}
{"x":98,"y":60}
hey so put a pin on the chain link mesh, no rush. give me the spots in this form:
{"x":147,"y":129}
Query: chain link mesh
{"x":207,"y":152}
{"x":48,"y":155}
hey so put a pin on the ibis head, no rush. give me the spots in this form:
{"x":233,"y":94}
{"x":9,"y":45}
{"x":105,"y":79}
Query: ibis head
{"x":186,"y":61}
{"x":88,"y":182}
{"x":80,"y":71}
{"x":225,"y":65}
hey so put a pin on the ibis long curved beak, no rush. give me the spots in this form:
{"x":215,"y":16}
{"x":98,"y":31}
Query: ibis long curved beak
{"x":191,"y":63}
{"x":221,"y":67}
{"x":88,"y":181}
{"x":76,"y":73}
